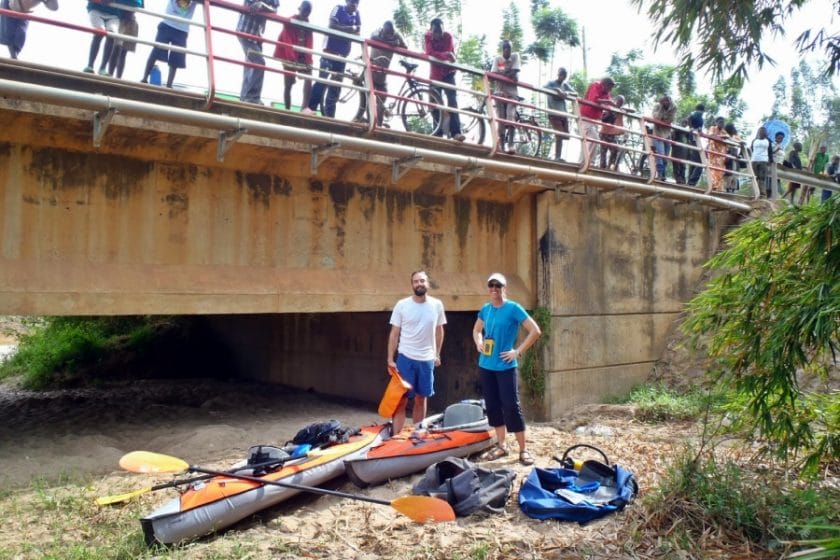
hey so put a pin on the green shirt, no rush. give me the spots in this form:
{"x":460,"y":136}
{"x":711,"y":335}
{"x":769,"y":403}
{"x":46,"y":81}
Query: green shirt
{"x":820,"y":161}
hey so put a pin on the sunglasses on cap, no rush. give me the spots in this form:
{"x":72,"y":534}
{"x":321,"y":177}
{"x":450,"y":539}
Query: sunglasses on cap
{"x":494,"y":284}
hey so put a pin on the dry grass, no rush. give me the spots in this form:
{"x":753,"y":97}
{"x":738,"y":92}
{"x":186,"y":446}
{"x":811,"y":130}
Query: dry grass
{"x":62,"y":521}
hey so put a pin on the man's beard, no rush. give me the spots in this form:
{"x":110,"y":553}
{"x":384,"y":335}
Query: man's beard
{"x":420,"y":291}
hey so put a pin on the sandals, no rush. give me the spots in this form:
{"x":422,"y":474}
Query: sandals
{"x":493,"y":454}
{"x":525,"y":458}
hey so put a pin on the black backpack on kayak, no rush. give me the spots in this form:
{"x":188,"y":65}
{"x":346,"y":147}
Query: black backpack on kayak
{"x":468,"y":488}
{"x":320,"y":434}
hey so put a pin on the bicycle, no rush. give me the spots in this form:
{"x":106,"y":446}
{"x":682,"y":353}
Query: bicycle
{"x":413,"y":102}
{"x":525,"y":140}
{"x":635,"y":162}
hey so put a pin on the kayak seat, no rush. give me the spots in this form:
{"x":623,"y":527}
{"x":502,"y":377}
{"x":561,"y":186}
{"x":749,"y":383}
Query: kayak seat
{"x":460,"y":414}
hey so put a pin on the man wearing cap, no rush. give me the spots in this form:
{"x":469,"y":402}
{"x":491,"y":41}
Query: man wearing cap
{"x":495,"y":333}
{"x":13,"y":30}
{"x":591,"y":109}
{"x":417,"y":338}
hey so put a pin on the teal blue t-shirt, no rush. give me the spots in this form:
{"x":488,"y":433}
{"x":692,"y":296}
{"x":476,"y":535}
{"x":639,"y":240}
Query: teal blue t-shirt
{"x":502,"y":325}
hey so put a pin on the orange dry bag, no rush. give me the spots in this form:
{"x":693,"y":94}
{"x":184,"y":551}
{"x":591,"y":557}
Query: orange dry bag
{"x":394,"y":392}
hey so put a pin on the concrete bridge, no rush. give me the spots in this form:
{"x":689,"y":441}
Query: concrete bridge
{"x":294,"y":236}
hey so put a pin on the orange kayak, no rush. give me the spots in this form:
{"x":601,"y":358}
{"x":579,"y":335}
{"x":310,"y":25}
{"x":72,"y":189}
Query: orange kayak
{"x":463,"y":433}
{"x":213,"y":504}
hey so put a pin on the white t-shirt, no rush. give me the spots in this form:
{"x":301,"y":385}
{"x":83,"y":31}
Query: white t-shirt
{"x":761,"y":149}
{"x":417,"y":323}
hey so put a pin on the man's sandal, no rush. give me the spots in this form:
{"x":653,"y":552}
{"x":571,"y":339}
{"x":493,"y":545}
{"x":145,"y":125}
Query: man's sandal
{"x":525,"y":458}
{"x":493,"y":454}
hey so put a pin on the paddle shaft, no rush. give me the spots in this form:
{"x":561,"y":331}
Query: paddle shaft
{"x":292,"y":485}
{"x":107,"y":500}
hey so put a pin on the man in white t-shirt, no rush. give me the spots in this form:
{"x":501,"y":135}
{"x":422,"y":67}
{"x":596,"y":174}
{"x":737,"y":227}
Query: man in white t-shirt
{"x":416,"y":338}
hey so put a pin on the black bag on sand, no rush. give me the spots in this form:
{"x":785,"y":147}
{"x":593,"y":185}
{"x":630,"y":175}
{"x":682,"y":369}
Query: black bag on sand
{"x":468,"y":488}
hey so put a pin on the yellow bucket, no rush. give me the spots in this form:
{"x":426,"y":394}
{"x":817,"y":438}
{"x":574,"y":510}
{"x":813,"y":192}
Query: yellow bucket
{"x":394,"y":392}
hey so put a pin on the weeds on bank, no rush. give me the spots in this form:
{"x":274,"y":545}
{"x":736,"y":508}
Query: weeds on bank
{"x":58,"y":347}
{"x":704,"y":500}
{"x":658,"y":403}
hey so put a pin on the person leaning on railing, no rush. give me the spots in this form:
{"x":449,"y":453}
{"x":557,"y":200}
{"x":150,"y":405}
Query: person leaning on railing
{"x":252,"y":22}
{"x":13,"y":30}
{"x":130,"y":27}
{"x":175,"y":33}
{"x":380,"y":59}
{"x":507,"y":65}
{"x":345,"y":19}
{"x":597,"y":98}
{"x":105,"y":17}
{"x":439,"y":44}
{"x":663,"y":115}
{"x":716,"y":152}
{"x":681,"y":136}
{"x":833,"y":172}
{"x":761,"y":155}
{"x":612,"y":134}
{"x":296,"y":61}
{"x":557,"y":102}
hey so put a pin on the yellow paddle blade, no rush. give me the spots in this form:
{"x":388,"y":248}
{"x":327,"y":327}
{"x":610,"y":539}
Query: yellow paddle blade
{"x":120,"y":498}
{"x":146,"y":462}
{"x":424,"y":509}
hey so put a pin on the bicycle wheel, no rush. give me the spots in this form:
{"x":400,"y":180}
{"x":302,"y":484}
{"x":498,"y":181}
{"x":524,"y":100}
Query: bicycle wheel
{"x":416,"y":111}
{"x":526,"y":141}
{"x":472,"y":126}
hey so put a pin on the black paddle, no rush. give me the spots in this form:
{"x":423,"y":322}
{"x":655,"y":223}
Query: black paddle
{"x":120,"y":498}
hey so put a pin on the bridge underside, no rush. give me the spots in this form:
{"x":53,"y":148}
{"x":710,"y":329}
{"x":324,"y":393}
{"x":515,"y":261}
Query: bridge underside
{"x":310,"y":248}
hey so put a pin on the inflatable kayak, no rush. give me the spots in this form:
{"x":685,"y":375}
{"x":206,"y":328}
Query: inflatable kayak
{"x":460,"y":431}
{"x":216,"y":503}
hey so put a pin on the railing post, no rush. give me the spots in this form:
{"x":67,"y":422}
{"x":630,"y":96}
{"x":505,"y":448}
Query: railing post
{"x":490,"y":106}
{"x":584,"y":143}
{"x":650,"y":153}
{"x":748,"y":160}
{"x":372,"y":100}
{"x":704,"y":161}
{"x":208,"y":45}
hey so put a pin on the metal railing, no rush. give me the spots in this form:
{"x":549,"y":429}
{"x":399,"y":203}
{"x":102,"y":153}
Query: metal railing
{"x":419,"y":105}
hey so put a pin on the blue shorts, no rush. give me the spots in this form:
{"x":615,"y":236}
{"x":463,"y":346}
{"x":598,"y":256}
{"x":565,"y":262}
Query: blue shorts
{"x":168,"y":34}
{"x":420,"y":374}
{"x":12,"y":30}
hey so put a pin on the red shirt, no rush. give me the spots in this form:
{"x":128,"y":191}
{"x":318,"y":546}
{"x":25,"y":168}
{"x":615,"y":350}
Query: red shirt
{"x":440,"y":48}
{"x":595,"y":93}
{"x":289,"y":36}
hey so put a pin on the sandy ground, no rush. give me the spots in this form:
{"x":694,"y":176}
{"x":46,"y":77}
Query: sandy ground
{"x":82,"y":433}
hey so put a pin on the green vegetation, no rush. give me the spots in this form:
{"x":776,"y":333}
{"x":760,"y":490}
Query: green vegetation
{"x":747,"y":505}
{"x":770,"y":321}
{"x":730,"y":40}
{"x":532,"y":368}
{"x":59,"y":350}
{"x":658,"y":403}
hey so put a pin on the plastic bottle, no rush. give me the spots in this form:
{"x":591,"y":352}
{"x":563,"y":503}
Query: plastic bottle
{"x":154,"y":76}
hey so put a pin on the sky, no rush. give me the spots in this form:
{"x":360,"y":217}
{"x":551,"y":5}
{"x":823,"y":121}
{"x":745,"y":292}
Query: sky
{"x":610,"y":26}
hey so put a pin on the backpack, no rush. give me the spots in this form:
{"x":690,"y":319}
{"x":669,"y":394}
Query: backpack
{"x":468,"y":488}
{"x":326,"y":433}
{"x":578,"y":491}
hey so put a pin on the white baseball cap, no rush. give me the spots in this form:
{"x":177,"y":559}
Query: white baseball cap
{"x":498,"y":277}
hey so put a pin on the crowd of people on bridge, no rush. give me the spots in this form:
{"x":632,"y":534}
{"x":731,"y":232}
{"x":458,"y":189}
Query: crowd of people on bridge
{"x":683,"y":142}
